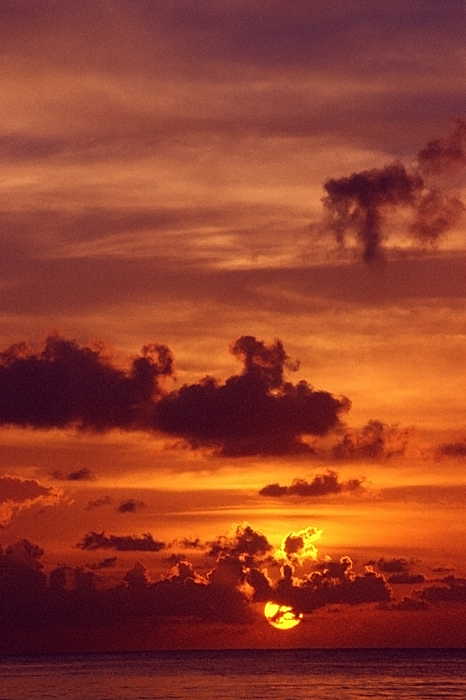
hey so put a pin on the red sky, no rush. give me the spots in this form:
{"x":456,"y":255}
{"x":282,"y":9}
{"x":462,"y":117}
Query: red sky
{"x":232,"y":308}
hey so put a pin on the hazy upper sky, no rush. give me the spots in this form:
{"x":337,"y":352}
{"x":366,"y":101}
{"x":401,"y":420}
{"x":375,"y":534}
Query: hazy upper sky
{"x":232,"y":307}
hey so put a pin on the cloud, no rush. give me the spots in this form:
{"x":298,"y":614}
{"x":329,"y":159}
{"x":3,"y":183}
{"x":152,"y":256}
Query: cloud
{"x":407,"y":604}
{"x":107,"y":563}
{"x":122,"y":543}
{"x":397,"y":565}
{"x":98,"y":502}
{"x":65,"y":384}
{"x":130,"y":506}
{"x":331,"y":583}
{"x":83,"y":474}
{"x":190,"y":543}
{"x":445,"y":154}
{"x":256,"y":412}
{"x":137,"y":578}
{"x":452,"y":590}
{"x":321,"y":485}
{"x":376,"y":440}
{"x":299,"y":546}
{"x":73,"y":598}
{"x":436,"y":214}
{"x":406,"y":578}
{"x":452,"y":449}
{"x":398,"y":568}
{"x":18,"y":147}
{"x":245,"y":543}
{"x":18,"y":494}
{"x":360,"y":203}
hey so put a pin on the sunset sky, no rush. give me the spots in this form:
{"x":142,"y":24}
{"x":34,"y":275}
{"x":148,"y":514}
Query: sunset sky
{"x":232,"y":323}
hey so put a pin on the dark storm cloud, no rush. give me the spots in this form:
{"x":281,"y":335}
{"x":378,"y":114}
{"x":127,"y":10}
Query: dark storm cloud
{"x":130,"y":506}
{"x":70,"y":598}
{"x":122,"y":543}
{"x":362,"y":202}
{"x":320,"y":485}
{"x":256,"y":412}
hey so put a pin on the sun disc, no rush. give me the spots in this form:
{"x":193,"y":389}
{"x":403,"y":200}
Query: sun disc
{"x":282,"y":617}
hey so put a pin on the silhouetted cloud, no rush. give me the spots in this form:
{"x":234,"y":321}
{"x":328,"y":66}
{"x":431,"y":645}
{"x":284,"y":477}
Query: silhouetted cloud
{"x":65,"y":384}
{"x":360,"y":203}
{"x":98,"y":502}
{"x":451,"y":590}
{"x":73,"y":598}
{"x":397,"y":565}
{"x":190,"y":543}
{"x":107,"y":563}
{"x":436,"y":214}
{"x":245,"y":542}
{"x":256,"y":412}
{"x":123,"y":543}
{"x":398,"y":570}
{"x":130,"y":506}
{"x":320,"y":485}
{"x":407,"y":604}
{"x":83,"y":474}
{"x":406,"y":578}
{"x":332,"y":582}
{"x":376,"y":440}
{"x":452,"y":449}
{"x":17,"y":494}
{"x":447,"y":153}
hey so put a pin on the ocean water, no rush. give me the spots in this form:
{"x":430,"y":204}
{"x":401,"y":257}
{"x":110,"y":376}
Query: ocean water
{"x":300,"y":674}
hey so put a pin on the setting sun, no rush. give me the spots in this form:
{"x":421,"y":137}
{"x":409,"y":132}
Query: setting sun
{"x":282,"y":616}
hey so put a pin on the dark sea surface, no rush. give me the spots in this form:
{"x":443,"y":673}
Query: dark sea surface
{"x":235,"y":675}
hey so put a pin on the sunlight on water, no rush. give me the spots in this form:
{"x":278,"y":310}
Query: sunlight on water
{"x":238,"y":675}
